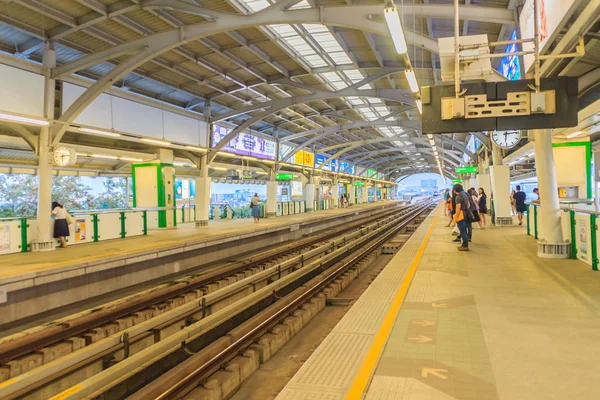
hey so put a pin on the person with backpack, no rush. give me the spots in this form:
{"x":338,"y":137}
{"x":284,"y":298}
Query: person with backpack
{"x":461,"y":215}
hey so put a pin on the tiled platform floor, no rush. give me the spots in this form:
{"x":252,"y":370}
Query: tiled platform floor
{"x":493,"y":323}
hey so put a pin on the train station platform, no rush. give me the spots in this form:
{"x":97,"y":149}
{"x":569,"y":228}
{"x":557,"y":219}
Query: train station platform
{"x":495,"y":323}
{"x":88,"y":270}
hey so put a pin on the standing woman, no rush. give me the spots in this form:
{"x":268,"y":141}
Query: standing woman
{"x":61,"y":227}
{"x":255,"y":202}
{"x":513,"y":203}
{"x":483,"y":207}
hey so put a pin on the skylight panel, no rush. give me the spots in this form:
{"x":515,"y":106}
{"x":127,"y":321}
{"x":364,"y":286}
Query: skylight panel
{"x":340,"y":58}
{"x":315,"y":61}
{"x":355,"y":100}
{"x":302,"y":4}
{"x":257,"y":5}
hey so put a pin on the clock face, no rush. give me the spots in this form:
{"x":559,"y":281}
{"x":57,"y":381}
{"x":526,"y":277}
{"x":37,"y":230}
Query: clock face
{"x":506,"y":139}
{"x":64,"y":157}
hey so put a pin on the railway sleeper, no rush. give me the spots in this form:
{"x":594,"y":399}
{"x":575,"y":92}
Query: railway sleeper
{"x":223,"y":384}
{"x":28,"y":363}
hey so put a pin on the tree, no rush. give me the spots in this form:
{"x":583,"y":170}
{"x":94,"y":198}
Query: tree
{"x":18,"y":195}
{"x":114,"y":194}
{"x":71,"y":192}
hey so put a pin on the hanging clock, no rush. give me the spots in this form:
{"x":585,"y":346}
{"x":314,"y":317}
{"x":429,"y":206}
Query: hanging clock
{"x":506,"y":139}
{"x":64,"y":156}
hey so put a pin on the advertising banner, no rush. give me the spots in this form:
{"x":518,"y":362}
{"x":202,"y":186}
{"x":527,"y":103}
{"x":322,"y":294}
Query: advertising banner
{"x":80,"y":230}
{"x":245,"y":144}
{"x":182,"y":189}
{"x":330,"y":166}
{"x":347,"y":168}
{"x":4,"y":238}
{"x":304,"y":158}
{"x":296,"y":188}
{"x":510,"y":66}
{"x":550,"y":14}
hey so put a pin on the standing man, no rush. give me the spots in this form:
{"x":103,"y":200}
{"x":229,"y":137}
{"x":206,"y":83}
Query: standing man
{"x":520,"y":203}
{"x":460,"y":215}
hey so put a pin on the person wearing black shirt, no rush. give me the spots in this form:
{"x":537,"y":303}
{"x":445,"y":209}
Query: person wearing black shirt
{"x":520,"y":203}
{"x":460,"y":215}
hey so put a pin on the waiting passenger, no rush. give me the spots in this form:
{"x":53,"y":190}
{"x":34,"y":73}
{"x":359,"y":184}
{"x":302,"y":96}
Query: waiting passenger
{"x":461,"y":215}
{"x":255,"y":203}
{"x":483,"y":210}
{"x":520,"y":203}
{"x":449,"y":209}
{"x":446,"y":197}
{"x":536,"y":191}
{"x":475,"y":206}
{"x":61,"y":226}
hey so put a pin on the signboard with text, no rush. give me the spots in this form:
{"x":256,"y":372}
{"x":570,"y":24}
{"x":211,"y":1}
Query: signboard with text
{"x":347,"y":168}
{"x":467,"y":170}
{"x":304,"y":158}
{"x":330,"y":166}
{"x":245,"y":144}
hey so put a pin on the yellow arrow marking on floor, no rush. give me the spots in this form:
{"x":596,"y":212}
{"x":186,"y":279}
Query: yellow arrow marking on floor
{"x":424,"y":323}
{"x":421,"y":339}
{"x":440,"y":305}
{"x":437,"y":372}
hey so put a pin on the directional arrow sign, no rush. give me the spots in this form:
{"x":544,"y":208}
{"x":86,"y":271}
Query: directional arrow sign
{"x":421,"y":339}
{"x":424,"y":323}
{"x":437,"y":372}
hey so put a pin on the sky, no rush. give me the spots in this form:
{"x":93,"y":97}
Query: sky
{"x":415,"y":180}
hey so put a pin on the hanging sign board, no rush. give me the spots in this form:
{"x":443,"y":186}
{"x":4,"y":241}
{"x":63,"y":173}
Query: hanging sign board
{"x":457,"y":180}
{"x":359,"y":184}
{"x":304,"y":158}
{"x":284,"y":177}
{"x":245,"y":144}
{"x":467,"y":170}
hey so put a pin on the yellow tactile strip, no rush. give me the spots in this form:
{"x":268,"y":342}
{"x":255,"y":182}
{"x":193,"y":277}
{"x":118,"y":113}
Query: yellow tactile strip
{"x":346,"y":358}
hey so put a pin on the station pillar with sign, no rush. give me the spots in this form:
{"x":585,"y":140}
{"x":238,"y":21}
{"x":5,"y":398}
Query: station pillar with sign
{"x":365,"y":195}
{"x":271,"y":206}
{"x":500,"y":180}
{"x":154,"y":187}
{"x":203,"y":195}
{"x":335,"y":192}
{"x":351,"y":192}
{"x":309,"y":194}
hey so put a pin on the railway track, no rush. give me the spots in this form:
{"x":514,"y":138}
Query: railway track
{"x":118,"y":332}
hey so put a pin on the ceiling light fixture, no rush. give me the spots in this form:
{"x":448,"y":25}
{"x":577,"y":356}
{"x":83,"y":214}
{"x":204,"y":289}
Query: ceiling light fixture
{"x":412,"y":80}
{"x":194,"y":148}
{"x":225,"y":154}
{"x":392,"y":18}
{"x":218,"y":168}
{"x":104,"y":156}
{"x":156,"y":141}
{"x":574,"y":134}
{"x":419,"y":105}
{"x":24,"y":120}
{"x":130,"y":159}
{"x":99,"y":132}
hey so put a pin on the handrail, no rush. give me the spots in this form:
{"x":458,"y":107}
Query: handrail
{"x":103,"y":211}
{"x":580,"y":210}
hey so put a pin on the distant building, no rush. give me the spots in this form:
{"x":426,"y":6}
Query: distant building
{"x":429,"y":183}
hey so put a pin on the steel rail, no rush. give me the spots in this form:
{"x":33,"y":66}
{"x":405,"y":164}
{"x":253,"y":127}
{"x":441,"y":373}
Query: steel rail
{"x":155,"y":390}
{"x":26,"y":344}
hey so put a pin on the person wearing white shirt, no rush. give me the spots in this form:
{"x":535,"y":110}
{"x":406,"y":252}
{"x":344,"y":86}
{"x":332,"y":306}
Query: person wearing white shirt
{"x":61,"y":227}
